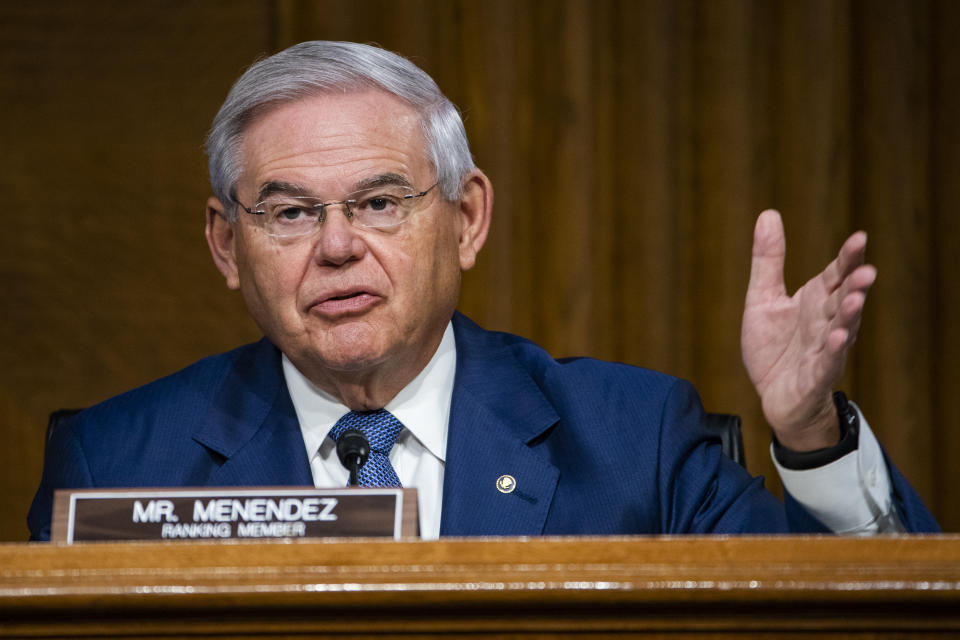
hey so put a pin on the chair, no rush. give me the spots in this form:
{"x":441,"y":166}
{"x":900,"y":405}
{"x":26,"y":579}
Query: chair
{"x":57,"y":417}
{"x":727,"y":426}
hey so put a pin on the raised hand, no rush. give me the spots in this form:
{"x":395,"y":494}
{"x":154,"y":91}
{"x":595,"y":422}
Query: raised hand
{"x":795,"y":347}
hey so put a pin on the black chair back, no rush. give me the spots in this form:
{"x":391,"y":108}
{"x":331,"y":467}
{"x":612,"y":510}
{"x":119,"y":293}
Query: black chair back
{"x":728,"y":427}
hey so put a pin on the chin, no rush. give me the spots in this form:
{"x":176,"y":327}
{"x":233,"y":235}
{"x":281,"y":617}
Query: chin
{"x":348,"y":362}
{"x":352,"y":353}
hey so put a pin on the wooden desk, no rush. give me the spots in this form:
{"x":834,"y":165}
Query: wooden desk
{"x":685,"y":587}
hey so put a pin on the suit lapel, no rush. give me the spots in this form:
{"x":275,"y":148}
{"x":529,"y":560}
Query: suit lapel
{"x":253,"y":426}
{"x":496,"y":412}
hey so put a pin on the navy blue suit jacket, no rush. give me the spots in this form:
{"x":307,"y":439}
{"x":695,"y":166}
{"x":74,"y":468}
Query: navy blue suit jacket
{"x":595,"y":447}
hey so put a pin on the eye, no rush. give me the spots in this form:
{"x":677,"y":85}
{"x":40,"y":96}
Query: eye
{"x":379,"y":203}
{"x":289,"y":213}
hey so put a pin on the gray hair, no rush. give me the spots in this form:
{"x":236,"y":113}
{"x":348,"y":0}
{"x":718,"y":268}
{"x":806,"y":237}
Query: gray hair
{"x":319,"y":67}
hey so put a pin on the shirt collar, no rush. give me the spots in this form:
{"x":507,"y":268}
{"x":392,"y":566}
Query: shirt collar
{"x":423,"y":406}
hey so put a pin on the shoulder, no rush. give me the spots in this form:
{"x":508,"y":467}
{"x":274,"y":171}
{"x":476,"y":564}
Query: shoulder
{"x":476,"y":343}
{"x":578,"y":383}
{"x":192,"y":384}
{"x":177,"y":401}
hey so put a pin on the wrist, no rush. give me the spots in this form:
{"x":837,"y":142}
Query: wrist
{"x":819,"y":430}
{"x":847,"y":422}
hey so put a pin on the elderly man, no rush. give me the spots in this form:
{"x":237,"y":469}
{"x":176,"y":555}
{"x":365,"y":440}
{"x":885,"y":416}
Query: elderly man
{"x":347,"y":205}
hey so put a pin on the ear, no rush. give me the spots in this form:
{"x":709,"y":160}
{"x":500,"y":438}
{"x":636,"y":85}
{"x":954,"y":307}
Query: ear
{"x":476,"y":207}
{"x":222,"y":242}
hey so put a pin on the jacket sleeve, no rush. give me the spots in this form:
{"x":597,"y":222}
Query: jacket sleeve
{"x":64,"y":467}
{"x":701,"y":490}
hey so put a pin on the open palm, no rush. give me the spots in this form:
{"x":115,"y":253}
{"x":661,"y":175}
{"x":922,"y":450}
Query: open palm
{"x":795,"y":347}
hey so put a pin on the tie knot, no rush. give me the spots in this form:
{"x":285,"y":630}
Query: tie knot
{"x":380,"y":427}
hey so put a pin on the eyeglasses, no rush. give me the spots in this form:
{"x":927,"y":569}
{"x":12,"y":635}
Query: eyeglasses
{"x":286,"y":216}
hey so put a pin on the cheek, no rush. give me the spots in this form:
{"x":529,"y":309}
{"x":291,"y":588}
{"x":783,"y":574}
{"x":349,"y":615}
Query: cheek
{"x":270,"y":279}
{"x":437,"y":264}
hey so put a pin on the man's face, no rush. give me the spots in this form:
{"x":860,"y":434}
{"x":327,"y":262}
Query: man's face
{"x":347,"y":300}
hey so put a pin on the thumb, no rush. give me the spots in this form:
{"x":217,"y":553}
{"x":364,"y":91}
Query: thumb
{"x":769,"y":251}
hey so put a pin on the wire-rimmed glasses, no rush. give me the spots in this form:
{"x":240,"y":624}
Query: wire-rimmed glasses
{"x":290,"y":216}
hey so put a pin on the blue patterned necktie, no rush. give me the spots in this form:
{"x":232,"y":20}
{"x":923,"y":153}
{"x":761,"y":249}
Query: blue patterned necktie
{"x":381,"y":429}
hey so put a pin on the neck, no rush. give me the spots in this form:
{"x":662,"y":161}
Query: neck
{"x":368,"y":388}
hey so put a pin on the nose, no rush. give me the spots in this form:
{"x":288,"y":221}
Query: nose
{"x":339,"y":242}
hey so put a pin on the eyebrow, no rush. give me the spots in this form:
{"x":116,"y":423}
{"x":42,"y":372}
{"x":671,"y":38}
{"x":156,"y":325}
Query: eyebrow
{"x":274,"y":187}
{"x":278,"y":186}
{"x":382,"y":180}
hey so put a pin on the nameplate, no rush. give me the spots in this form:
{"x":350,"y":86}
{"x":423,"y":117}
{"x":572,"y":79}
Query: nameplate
{"x":232,"y":513}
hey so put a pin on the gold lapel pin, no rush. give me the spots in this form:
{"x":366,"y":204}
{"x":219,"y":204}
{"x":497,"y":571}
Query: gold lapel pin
{"x":506,"y":483}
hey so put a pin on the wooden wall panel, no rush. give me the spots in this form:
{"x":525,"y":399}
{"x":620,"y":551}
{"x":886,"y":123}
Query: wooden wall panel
{"x":107,"y":282}
{"x":729,"y":103}
{"x":649,"y":101}
{"x":631,"y":145}
{"x":945,"y":194}
{"x":890,"y":180}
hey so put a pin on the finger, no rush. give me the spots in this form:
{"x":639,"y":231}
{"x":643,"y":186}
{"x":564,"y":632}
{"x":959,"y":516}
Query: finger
{"x":852,"y":255}
{"x":837,"y":341}
{"x":769,"y":252}
{"x":859,"y":281}
{"x":841,"y":336}
{"x":851,"y":310}
{"x":846,"y":324}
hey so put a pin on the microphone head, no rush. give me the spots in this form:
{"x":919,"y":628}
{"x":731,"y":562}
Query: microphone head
{"x":353,"y":448}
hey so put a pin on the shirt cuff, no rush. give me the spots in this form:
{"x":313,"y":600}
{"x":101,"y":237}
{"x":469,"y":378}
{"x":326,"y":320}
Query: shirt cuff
{"x":851,"y":495}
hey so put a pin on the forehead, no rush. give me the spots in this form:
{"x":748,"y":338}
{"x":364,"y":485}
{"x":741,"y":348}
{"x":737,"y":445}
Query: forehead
{"x":333,"y":141}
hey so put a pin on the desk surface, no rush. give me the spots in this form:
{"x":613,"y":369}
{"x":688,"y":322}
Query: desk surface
{"x":900,"y":586}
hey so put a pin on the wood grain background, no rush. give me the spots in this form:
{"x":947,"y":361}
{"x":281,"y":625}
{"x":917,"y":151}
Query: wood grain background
{"x":631,"y":145}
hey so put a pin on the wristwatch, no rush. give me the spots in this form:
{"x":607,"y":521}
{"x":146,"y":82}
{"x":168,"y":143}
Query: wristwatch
{"x":849,"y":439}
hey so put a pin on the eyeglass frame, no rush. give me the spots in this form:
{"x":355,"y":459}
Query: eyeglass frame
{"x":322,"y":207}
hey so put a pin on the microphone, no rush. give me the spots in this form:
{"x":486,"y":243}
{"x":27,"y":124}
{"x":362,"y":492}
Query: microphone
{"x":353,"y":449}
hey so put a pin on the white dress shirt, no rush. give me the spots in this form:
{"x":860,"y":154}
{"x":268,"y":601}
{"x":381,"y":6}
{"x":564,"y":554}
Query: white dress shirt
{"x":423,"y":407}
{"x":849,"y":495}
